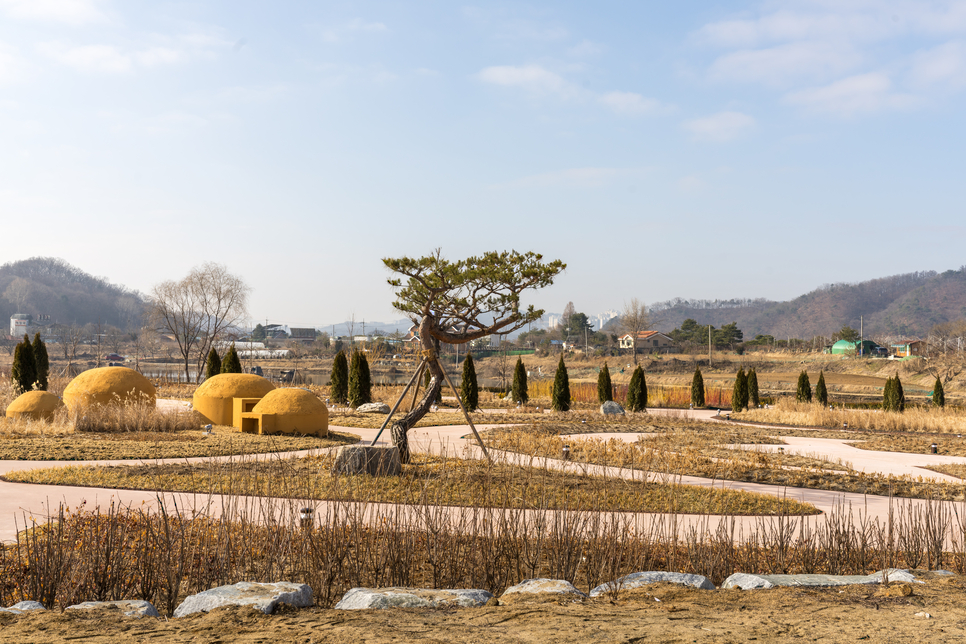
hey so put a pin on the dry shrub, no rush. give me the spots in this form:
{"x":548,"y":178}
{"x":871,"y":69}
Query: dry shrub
{"x":132,"y":417}
{"x":914,"y":419}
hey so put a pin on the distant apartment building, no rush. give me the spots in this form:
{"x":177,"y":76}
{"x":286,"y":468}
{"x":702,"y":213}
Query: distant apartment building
{"x":604,"y":318}
{"x":20,"y":324}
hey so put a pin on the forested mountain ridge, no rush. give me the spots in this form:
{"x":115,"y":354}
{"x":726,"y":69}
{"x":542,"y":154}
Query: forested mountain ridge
{"x":900,"y":305}
{"x":50,"y":286}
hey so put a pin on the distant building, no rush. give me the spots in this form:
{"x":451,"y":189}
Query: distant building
{"x":604,"y":318}
{"x":304,"y":334}
{"x":553,"y":322}
{"x":647,"y":342}
{"x":908,"y":348}
{"x":20,"y":324}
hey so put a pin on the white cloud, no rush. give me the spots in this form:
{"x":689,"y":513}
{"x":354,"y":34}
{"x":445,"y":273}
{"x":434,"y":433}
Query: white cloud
{"x":632,"y":103}
{"x":585,"y":48}
{"x":944,"y":65}
{"x":69,"y":11}
{"x":532,"y":78}
{"x":720,"y":127}
{"x":10,"y":64}
{"x":691,"y":183}
{"x":160,"y":56}
{"x":856,"y":94}
{"x":90,"y":58}
{"x":787,"y":63}
{"x":578,"y":177}
{"x":348,"y":30}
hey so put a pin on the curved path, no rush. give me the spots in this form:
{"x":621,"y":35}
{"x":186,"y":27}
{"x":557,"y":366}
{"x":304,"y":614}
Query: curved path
{"x":19,"y":502}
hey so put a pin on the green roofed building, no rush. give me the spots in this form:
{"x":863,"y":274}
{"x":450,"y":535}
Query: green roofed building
{"x":843,"y":347}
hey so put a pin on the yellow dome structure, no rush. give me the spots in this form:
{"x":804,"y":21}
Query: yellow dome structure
{"x":36,"y":405}
{"x":221,"y":399}
{"x":287,"y":411}
{"x":109,"y":386}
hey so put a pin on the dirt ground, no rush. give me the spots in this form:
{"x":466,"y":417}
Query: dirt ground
{"x":656,"y":613}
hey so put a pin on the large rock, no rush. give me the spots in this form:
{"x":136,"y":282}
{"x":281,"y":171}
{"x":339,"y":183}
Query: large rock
{"x":128,"y":607}
{"x":638,"y":579}
{"x":373,"y":408}
{"x":363,"y":598}
{"x":611,"y":408}
{"x":23,"y":607}
{"x":745,"y":581}
{"x":263,"y":597}
{"x":543,"y":587}
{"x":362,"y":459}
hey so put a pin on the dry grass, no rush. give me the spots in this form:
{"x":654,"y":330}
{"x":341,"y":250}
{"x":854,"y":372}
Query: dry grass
{"x":433,"y":480}
{"x":45,"y":446}
{"x":914,"y":419}
{"x":695,"y":451}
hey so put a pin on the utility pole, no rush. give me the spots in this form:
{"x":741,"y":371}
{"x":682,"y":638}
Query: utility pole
{"x":709,"y":345}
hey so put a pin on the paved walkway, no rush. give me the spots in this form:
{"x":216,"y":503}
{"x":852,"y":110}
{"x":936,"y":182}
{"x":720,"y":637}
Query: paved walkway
{"x":19,"y":502}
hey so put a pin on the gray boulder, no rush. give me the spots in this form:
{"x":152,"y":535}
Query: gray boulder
{"x":373,"y":408}
{"x":544,"y":587}
{"x":362,"y":459}
{"x":128,"y":607}
{"x":638,"y":579}
{"x":263,"y":597}
{"x":22,"y":607}
{"x":611,"y":408}
{"x":745,"y":581}
{"x":363,"y":598}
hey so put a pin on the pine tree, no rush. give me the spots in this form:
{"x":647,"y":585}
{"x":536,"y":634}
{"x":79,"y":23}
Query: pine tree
{"x":938,"y":395}
{"x":23,"y":372}
{"x":821,"y":391}
{"x":560,"y":396}
{"x":360,"y":386}
{"x":605,"y":391}
{"x":804,"y":393}
{"x":231,"y":363}
{"x":753,"y":398}
{"x":888,"y":394}
{"x":427,"y":380}
{"x":339,"y":379}
{"x":637,"y":391}
{"x":697,"y":389}
{"x":212,"y":364}
{"x":740,"y":392}
{"x":42,"y":362}
{"x":518,"y":391}
{"x":469,"y":387}
{"x":899,"y":399}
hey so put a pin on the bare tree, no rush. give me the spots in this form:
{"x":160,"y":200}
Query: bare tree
{"x":70,"y":337}
{"x":18,"y":293}
{"x":198,"y":310}
{"x":634,"y":320}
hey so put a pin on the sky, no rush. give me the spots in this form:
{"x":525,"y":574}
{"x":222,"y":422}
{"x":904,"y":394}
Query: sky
{"x":661,"y":149}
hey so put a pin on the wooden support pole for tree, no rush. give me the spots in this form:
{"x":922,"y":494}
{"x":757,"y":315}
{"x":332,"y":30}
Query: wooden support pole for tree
{"x":419,"y":375}
{"x":401,"y":397}
{"x":463,"y":409}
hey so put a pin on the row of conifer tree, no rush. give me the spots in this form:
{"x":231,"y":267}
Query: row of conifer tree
{"x":31,"y":365}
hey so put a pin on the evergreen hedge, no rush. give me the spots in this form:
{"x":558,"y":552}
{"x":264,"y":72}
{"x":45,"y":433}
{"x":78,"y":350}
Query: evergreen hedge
{"x":697,"y":389}
{"x":469,"y":387}
{"x":339,"y":379}
{"x":518,"y":391}
{"x":605,"y":391}
{"x":41,"y":361}
{"x":212,"y":364}
{"x":560,"y":396}
{"x":804,"y":392}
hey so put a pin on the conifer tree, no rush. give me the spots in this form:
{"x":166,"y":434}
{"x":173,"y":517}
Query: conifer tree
{"x":469,"y":387}
{"x":740,"y":392}
{"x":212,"y":364}
{"x":560,"y":396}
{"x":605,"y":391}
{"x":888,"y":394}
{"x":804,"y":393}
{"x":231,"y":363}
{"x":339,"y":379}
{"x":938,"y":395}
{"x":360,"y":385}
{"x":753,"y":398}
{"x":637,"y":391}
{"x":697,"y":389}
{"x":821,"y":391}
{"x":42,"y":362}
{"x":899,"y":397}
{"x":23,"y":372}
{"x":518,"y":391}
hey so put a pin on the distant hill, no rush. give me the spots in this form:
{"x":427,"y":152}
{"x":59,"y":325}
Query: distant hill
{"x":51,"y":286}
{"x":900,"y":305}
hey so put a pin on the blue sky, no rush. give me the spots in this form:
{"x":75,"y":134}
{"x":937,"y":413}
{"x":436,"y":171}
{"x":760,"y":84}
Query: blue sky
{"x":701,"y":149}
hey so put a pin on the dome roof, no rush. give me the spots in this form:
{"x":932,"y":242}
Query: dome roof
{"x":234,"y":385}
{"x":291,"y":402}
{"x":109,"y":385}
{"x":35,"y":404}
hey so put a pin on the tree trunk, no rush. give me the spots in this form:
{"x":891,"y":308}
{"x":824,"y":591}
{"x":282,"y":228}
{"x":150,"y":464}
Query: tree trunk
{"x":400,"y":429}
